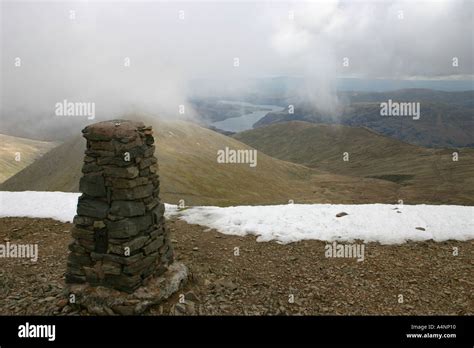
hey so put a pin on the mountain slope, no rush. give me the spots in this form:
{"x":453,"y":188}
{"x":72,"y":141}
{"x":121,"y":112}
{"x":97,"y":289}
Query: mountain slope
{"x":17,"y":153}
{"x":422,"y":95}
{"x":446,"y":118}
{"x":187,"y":157}
{"x":423,"y":175}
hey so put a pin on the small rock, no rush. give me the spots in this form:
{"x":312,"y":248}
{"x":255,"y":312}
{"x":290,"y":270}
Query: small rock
{"x":124,"y":310}
{"x":66,"y":309}
{"x":179,"y":308}
{"x":191,"y":296}
{"x":62,"y":303}
{"x":96,"y":310}
{"x":228,"y":284}
{"x":195,"y":249}
{"x":341,"y":214}
{"x":420,"y":228}
{"x":109,"y":311}
{"x":190,"y":308}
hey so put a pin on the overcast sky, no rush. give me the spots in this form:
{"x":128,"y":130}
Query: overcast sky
{"x":77,"y":50}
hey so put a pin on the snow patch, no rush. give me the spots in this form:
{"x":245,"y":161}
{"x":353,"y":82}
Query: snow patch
{"x":55,"y":205}
{"x":384,"y":223}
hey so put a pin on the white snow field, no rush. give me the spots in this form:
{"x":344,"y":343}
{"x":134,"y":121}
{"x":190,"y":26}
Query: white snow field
{"x":368,"y":222}
{"x":384,"y":223}
{"x":55,"y":205}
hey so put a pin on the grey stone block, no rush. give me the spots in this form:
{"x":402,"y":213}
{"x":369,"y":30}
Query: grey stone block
{"x":128,"y":227}
{"x":133,"y":193}
{"x":93,"y":185}
{"x":122,"y":172}
{"x":92,"y":208}
{"x":127,"y":208}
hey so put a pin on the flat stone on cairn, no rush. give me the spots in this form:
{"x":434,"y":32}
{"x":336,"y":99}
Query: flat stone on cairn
{"x":121,"y":242}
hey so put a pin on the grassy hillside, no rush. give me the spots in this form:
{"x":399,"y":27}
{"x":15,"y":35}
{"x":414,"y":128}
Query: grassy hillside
{"x":28,"y":150}
{"x":187,"y":156}
{"x":422,"y":175}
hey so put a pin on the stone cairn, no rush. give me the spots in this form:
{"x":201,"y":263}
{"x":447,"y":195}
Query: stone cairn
{"x":120,"y":238}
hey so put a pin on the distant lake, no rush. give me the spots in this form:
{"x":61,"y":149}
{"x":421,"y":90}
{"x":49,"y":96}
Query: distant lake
{"x":246,"y":121}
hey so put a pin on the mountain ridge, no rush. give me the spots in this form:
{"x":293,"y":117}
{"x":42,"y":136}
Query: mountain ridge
{"x":187,"y":158}
{"x":17,"y":153}
{"x":446,"y":118}
{"x":423,"y":175}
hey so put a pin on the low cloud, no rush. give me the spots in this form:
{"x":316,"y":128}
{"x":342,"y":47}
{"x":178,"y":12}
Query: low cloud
{"x":78,"y":51}
{"x":389,"y":39}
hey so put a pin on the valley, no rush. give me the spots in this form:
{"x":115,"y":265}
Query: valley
{"x":421,"y":175}
{"x":189,"y":170}
{"x":18,"y":153}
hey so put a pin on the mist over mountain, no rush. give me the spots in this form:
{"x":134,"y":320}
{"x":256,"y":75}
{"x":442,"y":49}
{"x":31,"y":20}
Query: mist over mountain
{"x":153,"y":57}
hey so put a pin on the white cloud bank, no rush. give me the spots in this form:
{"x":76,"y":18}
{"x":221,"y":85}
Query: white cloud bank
{"x":81,"y":59}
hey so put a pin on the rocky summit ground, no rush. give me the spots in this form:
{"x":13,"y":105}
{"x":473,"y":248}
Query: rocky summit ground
{"x":231,"y":275}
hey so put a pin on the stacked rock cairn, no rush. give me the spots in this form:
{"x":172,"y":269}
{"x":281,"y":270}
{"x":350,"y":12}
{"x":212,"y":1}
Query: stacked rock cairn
{"x":120,"y":236}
